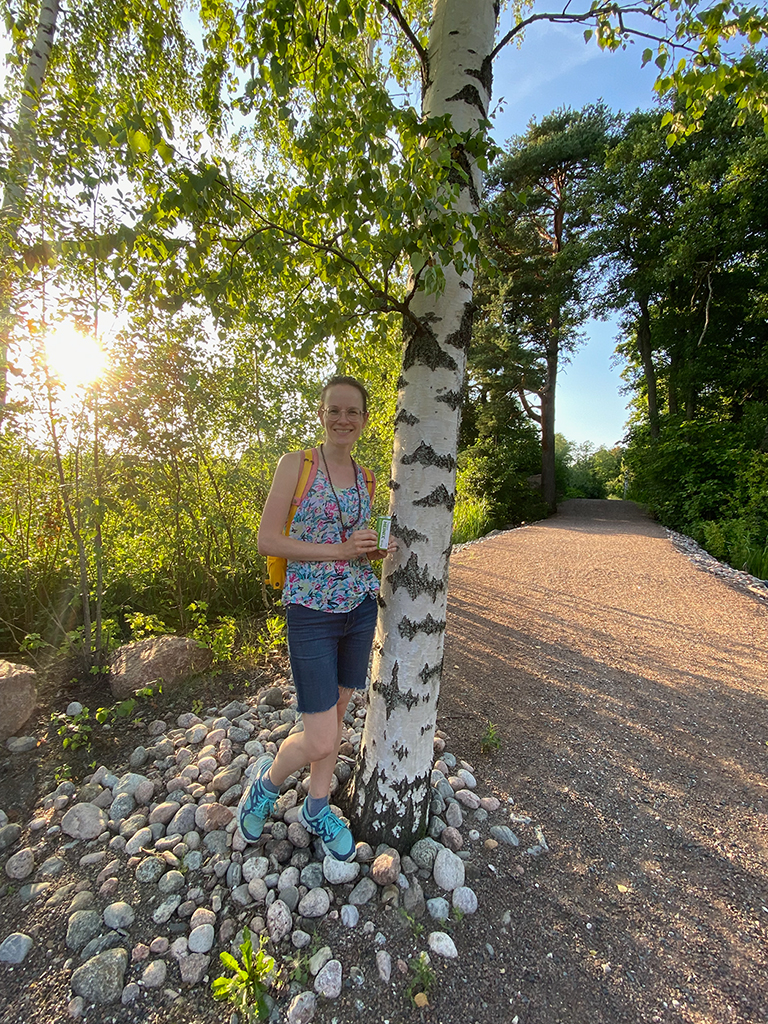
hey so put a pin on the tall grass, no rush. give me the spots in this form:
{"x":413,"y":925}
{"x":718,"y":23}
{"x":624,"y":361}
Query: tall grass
{"x":472,"y":518}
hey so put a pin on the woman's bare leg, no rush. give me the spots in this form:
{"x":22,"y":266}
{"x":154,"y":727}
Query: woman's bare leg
{"x":318,"y":746}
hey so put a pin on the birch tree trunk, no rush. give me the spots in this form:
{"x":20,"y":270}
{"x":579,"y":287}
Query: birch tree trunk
{"x":390,"y":788}
{"x":20,"y":170}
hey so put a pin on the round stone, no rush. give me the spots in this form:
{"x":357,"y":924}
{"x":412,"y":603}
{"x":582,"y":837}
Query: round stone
{"x":15,"y":947}
{"x":443,"y":945}
{"x":84,"y":821}
{"x":328,"y":980}
{"x":100,"y":979}
{"x":82,"y":926}
{"x":20,"y":865}
{"x":279,"y":921}
{"x":464,"y":899}
{"x":119,"y":915}
{"x":337,"y":872}
{"x":424,"y":852}
{"x":438,"y":909}
{"x":154,"y":974}
{"x":201,"y":938}
{"x":171,"y":881}
{"x":385,"y":869}
{"x":315,"y":904}
{"x":448,"y":870}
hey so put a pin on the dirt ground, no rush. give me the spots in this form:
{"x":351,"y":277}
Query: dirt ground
{"x":629,"y":691}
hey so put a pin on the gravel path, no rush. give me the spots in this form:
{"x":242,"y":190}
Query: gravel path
{"x":617,"y":854}
{"x":630,"y":691}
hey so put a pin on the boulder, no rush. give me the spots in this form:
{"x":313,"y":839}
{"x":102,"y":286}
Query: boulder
{"x":18,"y":696}
{"x":169,"y":658}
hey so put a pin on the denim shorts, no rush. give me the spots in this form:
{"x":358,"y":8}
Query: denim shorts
{"x":328,"y":651}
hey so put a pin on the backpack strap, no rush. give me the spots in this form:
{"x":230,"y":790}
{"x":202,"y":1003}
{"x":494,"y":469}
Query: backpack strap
{"x":306,"y":479}
{"x":370,"y":481}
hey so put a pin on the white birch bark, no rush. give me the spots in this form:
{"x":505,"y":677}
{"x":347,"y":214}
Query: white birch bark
{"x":390,"y":789}
{"x":22,"y":163}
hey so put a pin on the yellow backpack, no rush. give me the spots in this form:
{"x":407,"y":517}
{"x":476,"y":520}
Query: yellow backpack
{"x":276,"y":566}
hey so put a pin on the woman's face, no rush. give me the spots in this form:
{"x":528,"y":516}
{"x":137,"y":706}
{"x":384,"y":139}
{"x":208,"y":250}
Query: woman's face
{"x":342,"y":414}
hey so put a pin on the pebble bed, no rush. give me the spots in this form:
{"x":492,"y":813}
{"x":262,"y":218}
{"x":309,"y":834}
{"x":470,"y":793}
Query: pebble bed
{"x":164,"y":881}
{"x":708,"y":563}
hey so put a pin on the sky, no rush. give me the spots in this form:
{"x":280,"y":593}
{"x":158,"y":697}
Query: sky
{"x":555,"y":68}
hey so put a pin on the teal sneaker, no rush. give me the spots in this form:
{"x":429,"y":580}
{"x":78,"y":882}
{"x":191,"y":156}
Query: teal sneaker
{"x":256,"y":803}
{"x":336,"y":837}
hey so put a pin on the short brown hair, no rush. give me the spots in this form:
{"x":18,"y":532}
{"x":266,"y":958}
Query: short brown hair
{"x":352,"y":382}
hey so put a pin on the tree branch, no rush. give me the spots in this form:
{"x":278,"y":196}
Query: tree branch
{"x":392,"y":8}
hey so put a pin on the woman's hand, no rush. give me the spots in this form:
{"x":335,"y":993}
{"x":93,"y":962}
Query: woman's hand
{"x":359,"y":544}
{"x":382,"y":553}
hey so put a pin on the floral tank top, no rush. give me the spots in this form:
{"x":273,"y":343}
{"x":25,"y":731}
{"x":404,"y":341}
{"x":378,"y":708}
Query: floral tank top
{"x":330,"y":586}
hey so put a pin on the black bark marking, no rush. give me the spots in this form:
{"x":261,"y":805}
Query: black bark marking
{"x":401,"y":383}
{"x":422,"y":348}
{"x":394,"y":485}
{"x":380,"y":601}
{"x":439,"y":496}
{"x":452,"y":398}
{"x":427,"y":456}
{"x":415,"y":581}
{"x":428,"y":673}
{"x":393,"y":695}
{"x":426,"y":728}
{"x":399,"y":751}
{"x":484,"y":75}
{"x":461,"y":172}
{"x":462,"y":337}
{"x":470,"y":95}
{"x":405,"y":535}
{"x":447,"y":551}
{"x":463,"y":284}
{"x":410,"y":629}
{"x":402,"y":822}
{"x":406,"y":417}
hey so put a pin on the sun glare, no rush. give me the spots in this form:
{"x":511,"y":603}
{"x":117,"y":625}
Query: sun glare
{"x":76,"y":359}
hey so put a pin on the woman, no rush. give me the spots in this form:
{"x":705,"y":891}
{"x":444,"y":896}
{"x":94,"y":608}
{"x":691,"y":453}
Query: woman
{"x":330,"y":599}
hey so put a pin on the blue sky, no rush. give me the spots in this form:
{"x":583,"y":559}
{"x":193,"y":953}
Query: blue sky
{"x":554,"y":68}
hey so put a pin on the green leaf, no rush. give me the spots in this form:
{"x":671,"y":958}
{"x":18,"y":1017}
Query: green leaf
{"x":417,"y":259}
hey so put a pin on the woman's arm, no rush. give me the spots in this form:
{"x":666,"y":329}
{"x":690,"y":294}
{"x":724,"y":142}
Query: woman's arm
{"x":272,"y":540}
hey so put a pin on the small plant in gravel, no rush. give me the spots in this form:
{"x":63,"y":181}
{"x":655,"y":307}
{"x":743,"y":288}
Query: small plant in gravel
{"x":416,"y":926}
{"x":247,"y":988}
{"x":490,"y":740}
{"x":74,"y":730}
{"x":423,"y":980}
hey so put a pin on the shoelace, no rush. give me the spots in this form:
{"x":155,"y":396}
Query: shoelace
{"x":328,"y":826}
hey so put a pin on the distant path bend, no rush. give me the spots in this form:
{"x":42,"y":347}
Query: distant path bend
{"x":630,"y":692}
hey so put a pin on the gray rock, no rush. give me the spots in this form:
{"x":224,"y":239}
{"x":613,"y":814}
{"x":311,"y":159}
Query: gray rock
{"x":154,"y":974}
{"x":443,"y":945}
{"x":14,"y":948}
{"x":110,"y":940}
{"x":413,"y":899}
{"x":339,"y":872}
{"x":21,"y":864}
{"x":9,"y":834}
{"x":84,"y":821}
{"x":150,"y":870}
{"x":454,"y":816}
{"x":193,"y":968}
{"x":201,"y":938}
{"x":121,"y":807}
{"x":438,"y":908}
{"x":100,"y":980}
{"x":464,"y":899}
{"x":448,"y":870}
{"x":165,"y":911}
{"x":315,"y":904}
{"x":138,"y":757}
{"x":170,"y":658}
{"x":130,"y":993}
{"x":424,"y":852}
{"x":328,"y":980}
{"x":350,"y":915}
{"x":171,"y":881}
{"x":83,"y":925}
{"x":289,"y":894}
{"x":21,"y":744}
{"x":504,"y":834}
{"x":302,"y":1008}
{"x":364,"y":892}
{"x":384,"y":965}
{"x":51,"y":867}
{"x":279,"y":921}
{"x":32,"y":890}
{"x":119,"y":915}
{"x":319,"y":959}
{"x":18,"y":696}
{"x":312,"y":875}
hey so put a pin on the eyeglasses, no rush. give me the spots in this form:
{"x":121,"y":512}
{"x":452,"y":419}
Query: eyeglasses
{"x":334,"y":414}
